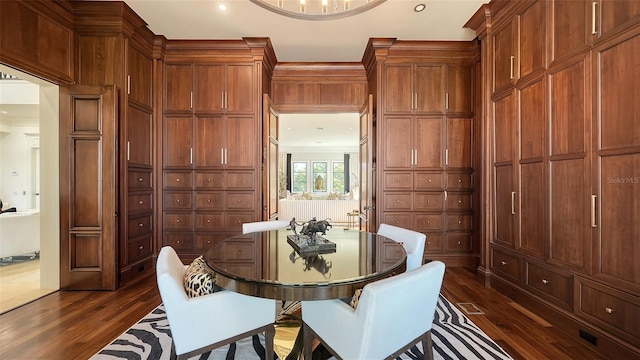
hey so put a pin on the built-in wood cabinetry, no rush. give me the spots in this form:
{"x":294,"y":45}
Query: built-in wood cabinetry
{"x":211,"y":136}
{"x":425,"y":130}
{"x":121,"y":54}
{"x":564,"y":162}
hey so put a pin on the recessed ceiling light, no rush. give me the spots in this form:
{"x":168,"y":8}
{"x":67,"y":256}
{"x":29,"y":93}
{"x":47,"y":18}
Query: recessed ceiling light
{"x":419,"y":7}
{"x":223,"y":7}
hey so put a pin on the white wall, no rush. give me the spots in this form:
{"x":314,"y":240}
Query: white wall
{"x":16,"y":143}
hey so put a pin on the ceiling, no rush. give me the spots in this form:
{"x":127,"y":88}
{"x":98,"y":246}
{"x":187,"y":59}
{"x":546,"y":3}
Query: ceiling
{"x":303,"y":40}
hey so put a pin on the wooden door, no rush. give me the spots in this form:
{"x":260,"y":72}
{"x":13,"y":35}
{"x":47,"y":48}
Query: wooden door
{"x":241,"y":148}
{"x":396,"y":140}
{"x":398,"y":90}
{"x":532,"y":54}
{"x":88,"y":187}
{"x":429,"y":84}
{"x":367,"y":170}
{"x":427,"y":133}
{"x":209,"y":88}
{"x":504,"y":57}
{"x":270,"y":179}
{"x":179,"y":87}
{"x":209,"y":141}
{"x":239,"y":94}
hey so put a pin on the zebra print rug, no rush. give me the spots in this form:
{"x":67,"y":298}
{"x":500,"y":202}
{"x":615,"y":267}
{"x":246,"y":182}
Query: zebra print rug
{"x":454,"y":336}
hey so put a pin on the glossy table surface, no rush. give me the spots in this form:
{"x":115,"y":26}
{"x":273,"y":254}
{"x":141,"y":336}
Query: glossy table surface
{"x":264,"y":264}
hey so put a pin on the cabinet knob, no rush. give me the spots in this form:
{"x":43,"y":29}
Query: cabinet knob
{"x":459,"y":243}
{"x":208,"y":221}
{"x":545,"y":281}
{"x":398,"y":201}
{"x":208,"y":200}
{"x":139,"y":179}
{"x":141,"y":247}
{"x":459,"y":201}
{"x":140,"y":202}
{"x":608,"y":310}
{"x":459,"y":180}
{"x":239,"y":180}
{"x":429,"y":180}
{"x":178,"y":220}
{"x":239,"y":201}
{"x":209,"y":179}
{"x":177,"y":241}
{"x":140,"y":225}
{"x":459,"y":221}
{"x":178,"y":201}
{"x":428,"y":201}
{"x":178,"y":180}
{"x":428,"y":221}
{"x":208,"y":241}
{"x":428,"y":242}
{"x":503,"y":262}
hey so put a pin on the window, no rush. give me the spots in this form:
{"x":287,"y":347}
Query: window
{"x":338,"y":177}
{"x":319,"y":176}
{"x":299,"y":176}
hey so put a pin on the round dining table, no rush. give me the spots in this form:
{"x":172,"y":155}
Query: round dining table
{"x":268,"y":264}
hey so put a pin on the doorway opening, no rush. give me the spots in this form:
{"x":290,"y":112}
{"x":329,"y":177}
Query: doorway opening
{"x":29,"y":173}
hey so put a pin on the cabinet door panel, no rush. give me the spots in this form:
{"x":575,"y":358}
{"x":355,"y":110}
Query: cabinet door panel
{"x":504,"y":130}
{"x":570,"y":30}
{"x":504,"y":57}
{"x":429,"y":88}
{"x":397,"y":136}
{"x":532,"y":209}
{"x":209,"y":141}
{"x":427,"y":140}
{"x":569,"y":214}
{"x":532,"y":121}
{"x":459,"y":85}
{"x":209,"y":87}
{"x":533,"y":37}
{"x":398,"y":91}
{"x":241,"y":144}
{"x":619,"y":214}
{"x":504,"y":205}
{"x":615,"y":13}
{"x":177,"y":141}
{"x":569,"y":111}
{"x":139,"y":71}
{"x":138,"y":137}
{"x":459,"y":135}
{"x":178,"y":85}
{"x":619,"y":74}
{"x":240,"y":88}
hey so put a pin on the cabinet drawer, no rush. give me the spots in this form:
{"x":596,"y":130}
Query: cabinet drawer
{"x":505,"y":264}
{"x":179,"y":241}
{"x":614,"y":310}
{"x":428,"y":181}
{"x":240,"y":250}
{"x":210,"y":180}
{"x":459,"y":201}
{"x":139,"y":180}
{"x":139,"y":249}
{"x":425,"y":201}
{"x":204,"y":241}
{"x":459,"y":222}
{"x":392,"y":254}
{"x":178,"y":221}
{"x":174,"y":179}
{"x":138,"y":203}
{"x":240,"y":201}
{"x":139,"y":226}
{"x":433,"y":243}
{"x":552,"y":285}
{"x":397,"y":202}
{"x":234,"y":221}
{"x":209,"y":200}
{"x":209,"y":221}
{"x":428,"y":222}
{"x":242,"y":270}
{"x":240,"y":180}
{"x":459,"y":242}
{"x":398,"y":219}
{"x":398,"y":181}
{"x":458,"y":181}
{"x":177,"y":200}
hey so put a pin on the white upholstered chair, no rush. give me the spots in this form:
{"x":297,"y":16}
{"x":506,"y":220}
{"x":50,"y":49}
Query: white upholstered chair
{"x":203,"y":323}
{"x":392,"y":315}
{"x":412,"y":241}
{"x":264,"y":226}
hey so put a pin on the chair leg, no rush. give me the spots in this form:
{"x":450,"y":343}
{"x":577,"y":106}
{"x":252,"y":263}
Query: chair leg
{"x":307,"y":347}
{"x":268,"y":339}
{"x":427,"y":346}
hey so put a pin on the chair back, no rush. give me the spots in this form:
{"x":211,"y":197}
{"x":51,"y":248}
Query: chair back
{"x":170,"y":274}
{"x":412,"y":241}
{"x":264,"y":226}
{"x":399,"y":309}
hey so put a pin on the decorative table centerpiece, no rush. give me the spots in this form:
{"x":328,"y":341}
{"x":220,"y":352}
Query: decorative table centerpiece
{"x":308,"y":242}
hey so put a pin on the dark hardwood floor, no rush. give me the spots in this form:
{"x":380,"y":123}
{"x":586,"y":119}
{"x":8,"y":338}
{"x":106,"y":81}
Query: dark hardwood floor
{"x":76,"y":324}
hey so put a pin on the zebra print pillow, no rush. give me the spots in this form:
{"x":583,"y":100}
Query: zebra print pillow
{"x":199,"y":279}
